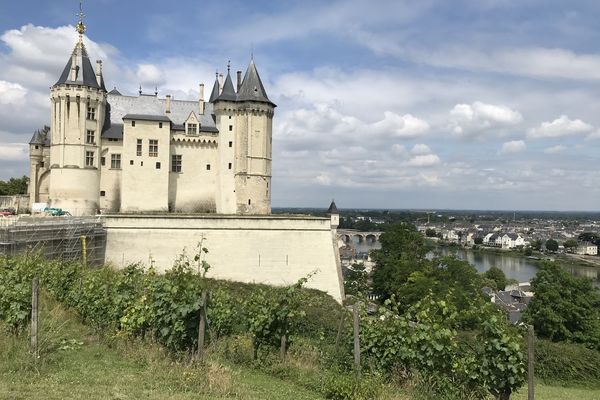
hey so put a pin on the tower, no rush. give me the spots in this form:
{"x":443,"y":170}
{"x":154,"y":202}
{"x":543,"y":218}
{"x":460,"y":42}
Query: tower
{"x":334,"y":215}
{"x":245,"y":122}
{"x":78,"y":106}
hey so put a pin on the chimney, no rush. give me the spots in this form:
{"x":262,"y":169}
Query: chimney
{"x":201,"y":100}
{"x":74,"y":67}
{"x":168,"y":110}
{"x":220,"y":83}
{"x":239,"y":80}
{"x":99,"y":72}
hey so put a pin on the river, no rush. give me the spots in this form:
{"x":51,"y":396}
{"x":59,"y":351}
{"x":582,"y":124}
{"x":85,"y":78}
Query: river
{"x":520,"y":268}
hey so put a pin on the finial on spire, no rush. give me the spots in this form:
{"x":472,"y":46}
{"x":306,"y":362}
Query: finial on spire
{"x":140,"y":91}
{"x":156,"y":90}
{"x":228,"y":65}
{"x":80,"y":25}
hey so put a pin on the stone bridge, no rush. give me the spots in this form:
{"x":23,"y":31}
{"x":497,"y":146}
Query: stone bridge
{"x":347,"y":235}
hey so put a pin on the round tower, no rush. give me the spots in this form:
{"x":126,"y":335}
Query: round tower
{"x":254,"y":118}
{"x":78,"y":106}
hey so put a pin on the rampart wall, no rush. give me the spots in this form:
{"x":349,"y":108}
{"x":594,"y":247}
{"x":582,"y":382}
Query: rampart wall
{"x":275,"y":250}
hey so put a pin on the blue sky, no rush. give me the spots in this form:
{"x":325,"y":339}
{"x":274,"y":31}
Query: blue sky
{"x":487,"y":104}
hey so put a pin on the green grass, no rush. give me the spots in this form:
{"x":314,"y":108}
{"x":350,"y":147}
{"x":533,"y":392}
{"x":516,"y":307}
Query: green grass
{"x":549,"y":392}
{"x":76,"y":364}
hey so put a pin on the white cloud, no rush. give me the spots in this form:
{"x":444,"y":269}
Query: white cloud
{"x":479,"y":118}
{"x":555,"y":149}
{"x":420,"y":148}
{"x":514,"y":146}
{"x":560,"y":127}
{"x":149,"y":74}
{"x":14,"y":151}
{"x":401,"y":126}
{"x":12,"y":93}
{"x":425,"y":160}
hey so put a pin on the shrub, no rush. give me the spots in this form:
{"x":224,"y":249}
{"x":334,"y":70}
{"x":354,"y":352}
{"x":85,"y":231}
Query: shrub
{"x":567,"y":363}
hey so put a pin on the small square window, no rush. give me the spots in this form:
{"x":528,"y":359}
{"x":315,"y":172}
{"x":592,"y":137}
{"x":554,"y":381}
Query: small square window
{"x":230,"y":128}
{"x":42,"y":164}
{"x":132,"y":123}
{"x":230,"y":117}
{"x":130,"y":162}
{"x":37,"y":147}
{"x":230,"y":144}
{"x":208,"y":167}
{"x":160,"y":125}
{"x":157,"y":165}
{"x":102,"y":193}
{"x":229,"y":165}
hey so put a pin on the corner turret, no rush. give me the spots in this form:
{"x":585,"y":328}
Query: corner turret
{"x":334,"y":214}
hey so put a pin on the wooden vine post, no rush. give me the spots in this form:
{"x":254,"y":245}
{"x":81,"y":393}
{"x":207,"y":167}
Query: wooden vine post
{"x":530,"y":362}
{"x":356,"y":321}
{"x":84,"y":251}
{"x":35,"y":284}
{"x":283,"y":348}
{"x":202,"y":325}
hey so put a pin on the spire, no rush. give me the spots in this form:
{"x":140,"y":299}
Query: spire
{"x":332,"y":208}
{"x":215,"y":90}
{"x":252,"y":88}
{"x":79,"y":70}
{"x":228,"y":93}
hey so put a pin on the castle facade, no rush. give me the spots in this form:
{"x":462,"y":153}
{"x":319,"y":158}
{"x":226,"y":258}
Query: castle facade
{"x":107,"y":152}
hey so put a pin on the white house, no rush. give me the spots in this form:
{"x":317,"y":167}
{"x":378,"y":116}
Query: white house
{"x":512,"y":240}
{"x":587,"y":248}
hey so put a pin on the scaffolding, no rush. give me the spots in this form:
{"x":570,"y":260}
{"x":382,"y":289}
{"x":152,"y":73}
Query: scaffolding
{"x":62,"y":238}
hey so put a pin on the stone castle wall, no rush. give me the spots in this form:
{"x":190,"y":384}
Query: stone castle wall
{"x":275,"y":250}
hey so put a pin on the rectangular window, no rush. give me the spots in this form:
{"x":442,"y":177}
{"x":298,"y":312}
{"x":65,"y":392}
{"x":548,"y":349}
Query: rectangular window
{"x":103,"y":161}
{"x":153,"y":148}
{"x":230,"y":144}
{"x":115,"y":161}
{"x":91,"y":113}
{"x":130,"y":162}
{"x":160,"y":125}
{"x":230,"y":128}
{"x":229,"y":165}
{"x":208,"y":167}
{"x":176,"y":163}
{"x":138,"y":151}
{"x":90,"y":137}
{"x":192,"y":129}
{"x":157,"y":165}
{"x":132,"y":123}
{"x":113,"y":140}
{"x":89,"y":158}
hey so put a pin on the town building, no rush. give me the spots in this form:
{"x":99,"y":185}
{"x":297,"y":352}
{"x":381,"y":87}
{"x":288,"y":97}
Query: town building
{"x":587,"y":248}
{"x":108,"y":152}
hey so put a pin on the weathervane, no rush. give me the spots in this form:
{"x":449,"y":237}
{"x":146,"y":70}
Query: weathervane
{"x":80,"y":25}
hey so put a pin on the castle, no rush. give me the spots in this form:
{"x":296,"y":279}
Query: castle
{"x":106,"y":152}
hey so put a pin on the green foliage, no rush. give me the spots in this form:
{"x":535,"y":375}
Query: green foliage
{"x":430,"y":232}
{"x":593,"y":237}
{"x":497,"y":276}
{"x":570,"y":244}
{"x":348,"y":386}
{"x":270,"y":315}
{"x":15,"y":293}
{"x":567,"y":363}
{"x":565,"y":307}
{"x":14,"y":186}
{"x":551,"y":245}
{"x":536,"y":244}
{"x":356,"y":280}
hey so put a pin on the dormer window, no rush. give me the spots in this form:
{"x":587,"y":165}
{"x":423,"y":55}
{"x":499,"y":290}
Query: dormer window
{"x":192,"y":129}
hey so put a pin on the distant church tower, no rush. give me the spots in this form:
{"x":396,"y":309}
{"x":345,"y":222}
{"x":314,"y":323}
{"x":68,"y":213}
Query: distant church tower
{"x":78,"y":107}
{"x":245,"y":121}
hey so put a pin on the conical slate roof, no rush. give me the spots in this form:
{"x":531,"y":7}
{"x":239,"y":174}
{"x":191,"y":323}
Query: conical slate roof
{"x":332,"y":208}
{"x":115,"y":92}
{"x":85,"y":74}
{"x":215,"y":90}
{"x":40,"y":136}
{"x":228,"y":93}
{"x":252,"y":88}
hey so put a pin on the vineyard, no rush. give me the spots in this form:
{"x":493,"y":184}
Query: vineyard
{"x":278,"y":330}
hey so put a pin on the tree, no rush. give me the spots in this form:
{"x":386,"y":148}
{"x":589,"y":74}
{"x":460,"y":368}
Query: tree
{"x":551,"y":245}
{"x":536,"y":244}
{"x":478,"y":240}
{"x":565,"y":307}
{"x":430,"y":232}
{"x":528,"y":251}
{"x":356,"y":280}
{"x":402,"y":253}
{"x":497,"y":276}
{"x":14,"y":186}
{"x":592,"y":237}
{"x":570,"y":244}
